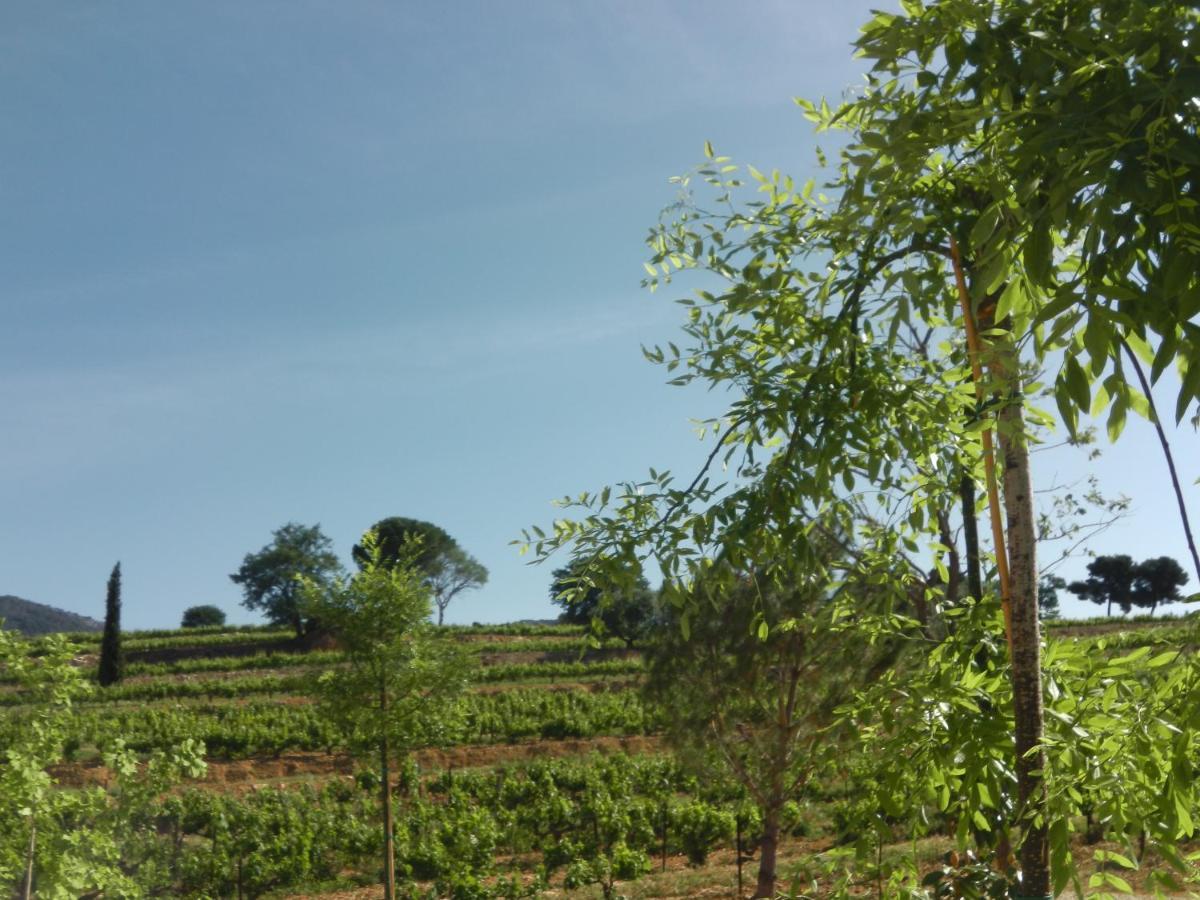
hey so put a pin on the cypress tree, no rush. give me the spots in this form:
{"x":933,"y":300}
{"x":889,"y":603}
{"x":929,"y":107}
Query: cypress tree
{"x":112,"y":662}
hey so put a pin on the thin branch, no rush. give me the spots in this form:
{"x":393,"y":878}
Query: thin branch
{"x":670,"y":511}
{"x":1166,"y":449}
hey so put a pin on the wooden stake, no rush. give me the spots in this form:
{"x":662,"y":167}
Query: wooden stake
{"x":989,"y":454}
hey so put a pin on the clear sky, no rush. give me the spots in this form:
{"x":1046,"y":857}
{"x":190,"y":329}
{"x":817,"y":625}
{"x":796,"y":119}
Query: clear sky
{"x":327,"y":262}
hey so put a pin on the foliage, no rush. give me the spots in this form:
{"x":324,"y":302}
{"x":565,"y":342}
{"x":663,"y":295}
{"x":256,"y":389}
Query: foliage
{"x":751,"y":689}
{"x":1110,"y":580}
{"x":1053,"y":146}
{"x":1117,"y":579}
{"x":1116,"y":727}
{"x":270,"y":578}
{"x":1048,"y":588}
{"x":206,"y":616}
{"x":1156,"y":581}
{"x":74,"y":843}
{"x":400,"y":686}
{"x":447,"y":568}
{"x":112,"y":658}
{"x":623,"y":608}
{"x":379,"y":617}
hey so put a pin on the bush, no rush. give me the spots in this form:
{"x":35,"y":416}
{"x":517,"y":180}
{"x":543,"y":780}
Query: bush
{"x":699,"y":827}
{"x":629,"y":864}
{"x":202,"y":617}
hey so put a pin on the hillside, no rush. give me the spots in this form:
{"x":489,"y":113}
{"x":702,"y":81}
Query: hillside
{"x":32,"y":618}
{"x":554,"y":749}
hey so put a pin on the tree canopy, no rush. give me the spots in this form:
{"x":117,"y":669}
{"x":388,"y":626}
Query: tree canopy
{"x":622,"y":609}
{"x":270,"y":578}
{"x":1013,"y":192}
{"x":1118,"y":579}
{"x":400,"y":685}
{"x":205,"y":616}
{"x":1109,"y":581}
{"x":447,"y":568}
{"x":1156,"y":581}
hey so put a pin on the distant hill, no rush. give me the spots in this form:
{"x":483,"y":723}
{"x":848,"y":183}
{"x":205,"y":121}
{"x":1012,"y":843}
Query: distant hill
{"x":32,"y":618}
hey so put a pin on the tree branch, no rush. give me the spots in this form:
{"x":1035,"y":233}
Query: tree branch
{"x":1166,"y":449}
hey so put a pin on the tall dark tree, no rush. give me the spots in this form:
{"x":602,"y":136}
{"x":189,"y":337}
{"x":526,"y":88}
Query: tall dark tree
{"x":1157,"y":581}
{"x":625,"y":610}
{"x":112,"y":662}
{"x":447,"y":568}
{"x":1110,"y":580}
{"x":269,"y":578}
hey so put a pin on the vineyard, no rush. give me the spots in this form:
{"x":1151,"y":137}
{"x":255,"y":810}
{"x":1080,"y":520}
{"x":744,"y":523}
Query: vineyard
{"x":553,"y":780}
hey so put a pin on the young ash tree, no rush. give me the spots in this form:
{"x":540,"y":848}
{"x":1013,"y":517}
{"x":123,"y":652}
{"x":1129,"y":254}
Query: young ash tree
{"x":112,"y":660}
{"x":87,"y":842}
{"x":753,"y":688}
{"x":1015,"y":191}
{"x":401,"y":685}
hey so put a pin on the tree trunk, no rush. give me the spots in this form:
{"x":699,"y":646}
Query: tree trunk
{"x":389,"y":850}
{"x":966,"y":490}
{"x":768,"y":851}
{"x":27,"y":887}
{"x":1026,"y":636}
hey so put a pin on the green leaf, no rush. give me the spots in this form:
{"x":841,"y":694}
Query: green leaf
{"x":1078,"y":384}
{"x":1013,"y":301}
{"x":1036,"y":253}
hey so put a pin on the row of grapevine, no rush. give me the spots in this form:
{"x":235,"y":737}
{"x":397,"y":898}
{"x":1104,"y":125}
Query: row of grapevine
{"x":462,"y":835}
{"x":235,"y":731}
{"x":302,"y":682}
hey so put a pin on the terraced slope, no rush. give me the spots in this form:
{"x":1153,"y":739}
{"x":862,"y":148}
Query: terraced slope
{"x":555,"y":778}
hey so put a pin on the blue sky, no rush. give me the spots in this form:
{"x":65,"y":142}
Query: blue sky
{"x":329,"y":262}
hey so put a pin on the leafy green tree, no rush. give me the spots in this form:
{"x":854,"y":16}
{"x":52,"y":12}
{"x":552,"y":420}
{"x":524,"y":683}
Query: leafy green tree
{"x":270,"y":578}
{"x":448,"y":569}
{"x":623,"y":610}
{"x":73,"y":843}
{"x":751,"y":689}
{"x":206,"y":616}
{"x":1109,"y":581}
{"x":112,"y":662}
{"x":1048,"y":588}
{"x":977,"y":174}
{"x":1157,"y":581}
{"x":401,"y":685}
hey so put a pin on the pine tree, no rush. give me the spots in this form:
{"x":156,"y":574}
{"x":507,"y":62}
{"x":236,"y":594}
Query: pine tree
{"x":112,"y":662}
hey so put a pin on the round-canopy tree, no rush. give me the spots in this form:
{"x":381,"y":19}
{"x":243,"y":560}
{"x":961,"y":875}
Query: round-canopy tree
{"x":1157,"y":581}
{"x":447,"y":568}
{"x":1110,"y":580}
{"x":270,"y":578}
{"x":206,"y":616}
{"x":624,"y":610}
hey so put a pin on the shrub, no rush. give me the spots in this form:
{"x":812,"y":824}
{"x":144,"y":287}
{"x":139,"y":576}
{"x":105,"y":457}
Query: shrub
{"x":206,"y":616}
{"x":699,"y":827}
